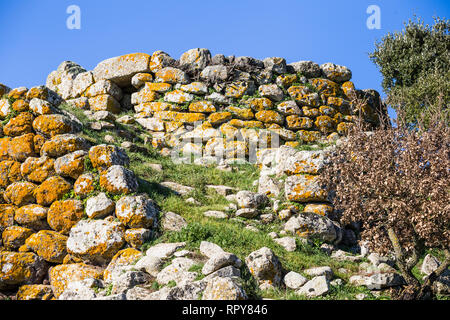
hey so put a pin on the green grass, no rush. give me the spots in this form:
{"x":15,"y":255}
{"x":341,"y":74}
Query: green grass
{"x":231,"y":235}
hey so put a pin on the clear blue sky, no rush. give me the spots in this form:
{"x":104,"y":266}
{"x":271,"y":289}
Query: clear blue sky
{"x":35,"y":39}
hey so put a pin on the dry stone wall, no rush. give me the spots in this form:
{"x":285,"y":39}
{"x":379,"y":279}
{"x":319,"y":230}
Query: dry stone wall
{"x":223,"y":107}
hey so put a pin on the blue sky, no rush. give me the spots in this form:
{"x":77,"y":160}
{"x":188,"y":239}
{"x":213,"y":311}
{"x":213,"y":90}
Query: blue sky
{"x":35,"y":39}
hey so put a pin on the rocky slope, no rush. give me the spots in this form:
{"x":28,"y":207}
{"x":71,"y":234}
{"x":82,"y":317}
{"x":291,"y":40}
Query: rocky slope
{"x":89,"y":210}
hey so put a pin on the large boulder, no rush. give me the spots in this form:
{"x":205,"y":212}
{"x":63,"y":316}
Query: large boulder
{"x":219,"y":288}
{"x":137,"y":211}
{"x":121,"y":69}
{"x":96,"y":241}
{"x":312,"y":226}
{"x":265,"y":267}
{"x":61,"y":275}
{"x":118,"y":180}
{"x":18,"y":268}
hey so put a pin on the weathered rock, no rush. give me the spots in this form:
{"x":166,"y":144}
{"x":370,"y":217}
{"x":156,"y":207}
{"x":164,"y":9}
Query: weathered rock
{"x":220,"y":260}
{"x":63,"y":215}
{"x":377,"y":281}
{"x":304,"y":188}
{"x":137,"y":211}
{"x":173,"y":222}
{"x":99,"y":206}
{"x":96,"y":241}
{"x":118,"y":180}
{"x":219,"y":288}
{"x":34,"y":292}
{"x":287,"y":243}
{"x":197,"y":58}
{"x":265,"y":267}
{"x":70,"y":165}
{"x":311,"y":226}
{"x":320,"y":271}
{"x":294,"y":280}
{"x":315,"y":287}
{"x":248,"y":199}
{"x":61,"y":275}
{"x":19,"y":268}
{"x":121,"y":69}
{"x":177,"y":272}
{"x":49,"y":245}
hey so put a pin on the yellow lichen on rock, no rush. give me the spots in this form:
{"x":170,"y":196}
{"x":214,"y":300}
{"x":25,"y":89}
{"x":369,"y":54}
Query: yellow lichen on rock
{"x":22,"y":147}
{"x":35,"y":292}
{"x":19,"y":125}
{"x":61,"y":275}
{"x":52,"y":189}
{"x":20,"y":193}
{"x":49,"y":245}
{"x":37,"y":170}
{"x":63,"y":215}
{"x":13,"y":237}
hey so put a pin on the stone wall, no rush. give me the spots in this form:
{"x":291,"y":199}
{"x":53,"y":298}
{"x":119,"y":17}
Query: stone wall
{"x":221,"y":106}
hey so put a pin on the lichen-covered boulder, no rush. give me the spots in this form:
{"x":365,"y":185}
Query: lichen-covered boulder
{"x":308,"y":69}
{"x":118,"y":180}
{"x":99,"y":206}
{"x":248,"y":199}
{"x":60,"y":145}
{"x":336,"y":72}
{"x":322,"y":209}
{"x":197,"y":58}
{"x":84,"y":185}
{"x":18,"y":268}
{"x":178,"y":96}
{"x":19,"y":125}
{"x":305,"y":188}
{"x":136,"y":237}
{"x":63,"y":215}
{"x":216,"y":73}
{"x":61,"y":275}
{"x":265,"y":267}
{"x":49,"y":245}
{"x":271,"y":91}
{"x":9,"y":172}
{"x":137,"y":211}
{"x":96,"y":241}
{"x":52,"y":189}
{"x":21,"y":147}
{"x":104,"y":87}
{"x":37,"y":170}
{"x":171,"y":75}
{"x":52,"y":124}
{"x":219,"y":288}
{"x":34,"y":292}
{"x":20,"y":193}
{"x":14,"y":237}
{"x":6,"y":216}
{"x":312,"y":226}
{"x":71,"y":165}
{"x":121,"y":69}
{"x":269,"y":116}
{"x":160,"y":60}
{"x":122,"y":259}
{"x":104,"y":156}
{"x":32,"y":216}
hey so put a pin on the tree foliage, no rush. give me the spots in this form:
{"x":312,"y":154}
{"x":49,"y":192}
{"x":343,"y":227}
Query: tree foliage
{"x":415,"y":65}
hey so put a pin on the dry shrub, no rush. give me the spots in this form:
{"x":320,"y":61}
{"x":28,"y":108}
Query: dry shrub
{"x":395,"y":180}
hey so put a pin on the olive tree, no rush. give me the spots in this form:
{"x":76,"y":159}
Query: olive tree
{"x":415,"y":65}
